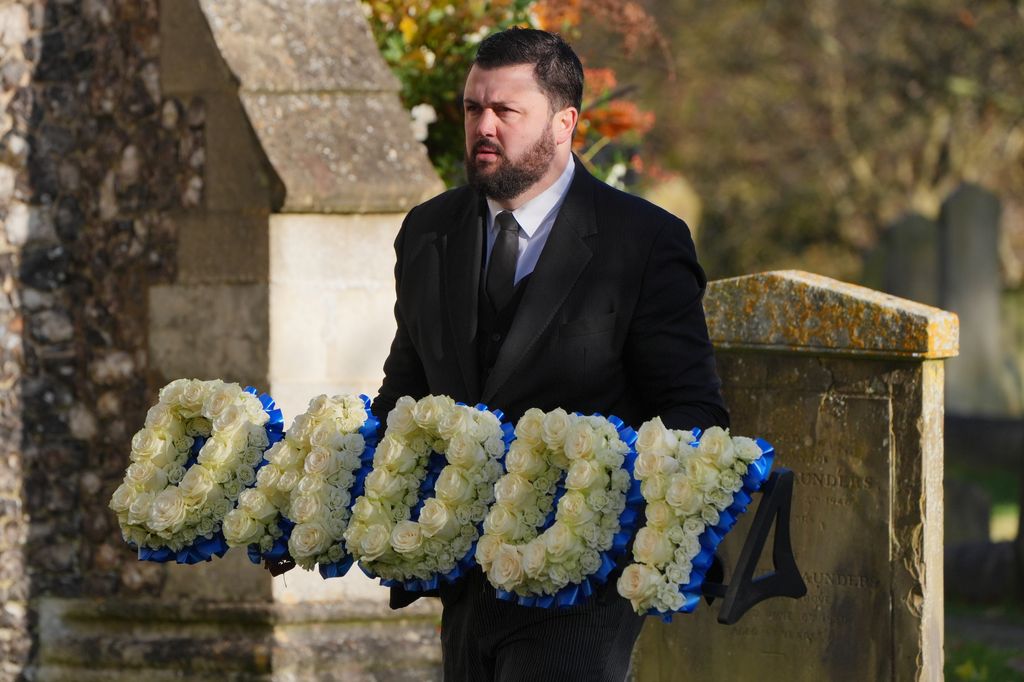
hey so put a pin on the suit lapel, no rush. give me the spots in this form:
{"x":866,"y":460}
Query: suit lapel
{"x":462,"y":252}
{"x":563,"y":259}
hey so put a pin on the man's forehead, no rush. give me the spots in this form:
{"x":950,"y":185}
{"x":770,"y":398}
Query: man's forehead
{"x":501,"y":83}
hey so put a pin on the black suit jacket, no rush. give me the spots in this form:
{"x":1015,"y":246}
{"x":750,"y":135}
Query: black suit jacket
{"x":611,"y":321}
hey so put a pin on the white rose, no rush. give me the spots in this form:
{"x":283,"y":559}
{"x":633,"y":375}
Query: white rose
{"x":288,"y":480}
{"x":659,"y":515}
{"x":582,"y":475}
{"x":268,"y":476}
{"x":702,"y":473}
{"x":429,"y":411}
{"x":501,"y":522}
{"x":215,"y":454}
{"x":191,"y":398}
{"x":573,"y":509}
{"x":148,"y":446}
{"x":529,"y":427}
{"x":718,"y":498}
{"x":486,"y":549}
{"x":579,"y":441}
{"x":196,"y":486}
{"x":514,"y":490}
{"x":325,"y":435}
{"x":321,"y":462}
{"x":454,"y":423}
{"x":668,"y":465}
{"x":308,"y":540}
{"x":654,"y":438}
{"x":437,"y":521}
{"x":313,"y":486}
{"x":406,"y":537}
{"x":255,"y":503}
{"x":395,"y":456}
{"x":716,"y":446}
{"x":535,"y":558}
{"x":561,"y":542}
{"x":284,"y":455}
{"x":683,"y":495}
{"x":218,"y":399}
{"x":521,"y":459}
{"x":168,"y":512}
{"x":399,"y":420}
{"x":730,"y":481}
{"x":646,"y":465}
{"x":230,"y":421}
{"x":654,"y":488}
{"x":138,"y":508}
{"x":747,"y":449}
{"x":639,"y":583}
{"x":465,"y":452}
{"x":161,"y":418}
{"x":651,"y":546}
{"x":452,"y":486}
{"x":122,"y":498}
{"x":374,"y":542}
{"x":384,"y":484}
{"x":172,"y":392}
{"x":320,"y":407}
{"x":554,"y":428}
{"x":145,"y":476}
{"x":507,"y":568}
{"x":239,"y":529}
{"x":369,"y":512}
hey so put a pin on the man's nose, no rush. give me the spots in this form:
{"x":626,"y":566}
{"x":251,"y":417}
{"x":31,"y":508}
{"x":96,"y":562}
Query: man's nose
{"x":486,"y":124}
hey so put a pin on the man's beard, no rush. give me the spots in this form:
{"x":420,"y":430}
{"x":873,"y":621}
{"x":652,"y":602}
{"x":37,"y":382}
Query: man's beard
{"x":508,"y":179}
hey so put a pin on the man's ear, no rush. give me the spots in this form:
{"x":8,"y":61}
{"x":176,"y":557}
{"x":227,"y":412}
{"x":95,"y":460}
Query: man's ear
{"x":564,"y":123}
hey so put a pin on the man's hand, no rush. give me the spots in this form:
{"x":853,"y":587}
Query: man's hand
{"x":278,"y":566}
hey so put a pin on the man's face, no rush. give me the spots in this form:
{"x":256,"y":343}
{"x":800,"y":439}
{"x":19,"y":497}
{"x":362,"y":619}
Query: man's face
{"x":510,"y":132}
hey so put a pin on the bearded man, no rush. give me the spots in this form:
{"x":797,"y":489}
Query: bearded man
{"x":539,"y":286}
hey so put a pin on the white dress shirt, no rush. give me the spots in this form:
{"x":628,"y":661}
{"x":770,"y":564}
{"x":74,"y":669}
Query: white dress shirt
{"x":535,"y":219}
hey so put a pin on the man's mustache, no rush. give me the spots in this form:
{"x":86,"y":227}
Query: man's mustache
{"x":487,"y":145}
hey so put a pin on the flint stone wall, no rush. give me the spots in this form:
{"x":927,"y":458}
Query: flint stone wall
{"x":847,"y":384}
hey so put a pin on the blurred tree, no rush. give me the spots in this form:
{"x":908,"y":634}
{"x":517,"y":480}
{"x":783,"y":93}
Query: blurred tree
{"x":807,"y":126}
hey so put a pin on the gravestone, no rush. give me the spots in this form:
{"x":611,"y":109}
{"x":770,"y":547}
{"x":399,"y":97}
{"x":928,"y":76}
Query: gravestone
{"x":846,"y":383}
{"x":911,"y":269}
{"x":984,"y":379}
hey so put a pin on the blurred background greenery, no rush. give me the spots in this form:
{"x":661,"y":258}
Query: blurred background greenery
{"x":788,"y":135}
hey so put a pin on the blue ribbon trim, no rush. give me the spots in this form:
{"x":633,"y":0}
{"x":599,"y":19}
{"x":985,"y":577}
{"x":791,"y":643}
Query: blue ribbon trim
{"x":757,"y":474}
{"x":573,"y":594}
{"x":204,"y":549}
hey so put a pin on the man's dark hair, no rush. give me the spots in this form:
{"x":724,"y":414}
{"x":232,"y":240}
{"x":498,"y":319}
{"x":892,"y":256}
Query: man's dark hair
{"x":555,"y":66}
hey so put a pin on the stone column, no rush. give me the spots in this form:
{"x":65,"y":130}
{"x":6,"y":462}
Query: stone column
{"x":847,"y":384}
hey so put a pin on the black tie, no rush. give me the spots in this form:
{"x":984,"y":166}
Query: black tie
{"x":501,"y":272}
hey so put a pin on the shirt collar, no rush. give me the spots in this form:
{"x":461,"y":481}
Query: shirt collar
{"x":534,"y":212}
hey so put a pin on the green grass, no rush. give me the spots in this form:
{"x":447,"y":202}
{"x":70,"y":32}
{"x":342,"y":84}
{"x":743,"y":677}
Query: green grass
{"x":974,"y":661}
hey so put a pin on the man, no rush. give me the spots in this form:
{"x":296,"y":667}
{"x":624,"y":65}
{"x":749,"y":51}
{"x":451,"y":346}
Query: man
{"x":539,"y":286}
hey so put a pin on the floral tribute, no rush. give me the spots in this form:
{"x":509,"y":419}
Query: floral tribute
{"x":549,"y":542}
{"x":301,"y":504}
{"x":695,"y":490}
{"x":197,"y":452}
{"x":432,"y":445}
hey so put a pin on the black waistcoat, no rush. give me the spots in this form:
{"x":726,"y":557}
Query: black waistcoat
{"x":493,"y":326}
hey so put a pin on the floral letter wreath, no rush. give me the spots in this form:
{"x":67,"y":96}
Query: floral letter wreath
{"x":694,"y":492}
{"x":199,"y":449}
{"x":301,"y":504}
{"x":592,"y":523}
{"x":383,"y":535}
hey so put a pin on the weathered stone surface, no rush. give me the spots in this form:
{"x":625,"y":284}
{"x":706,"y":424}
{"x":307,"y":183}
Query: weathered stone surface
{"x":841,"y":439}
{"x":800,"y":311}
{"x":168,"y":639}
{"x":342,"y":152}
{"x":317,"y":45}
{"x":228,"y":322}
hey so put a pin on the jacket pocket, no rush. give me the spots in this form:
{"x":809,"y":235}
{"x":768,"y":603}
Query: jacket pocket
{"x":585,"y":326}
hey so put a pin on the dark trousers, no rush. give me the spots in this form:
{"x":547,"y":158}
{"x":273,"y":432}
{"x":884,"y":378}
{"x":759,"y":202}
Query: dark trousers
{"x":485,"y":639}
